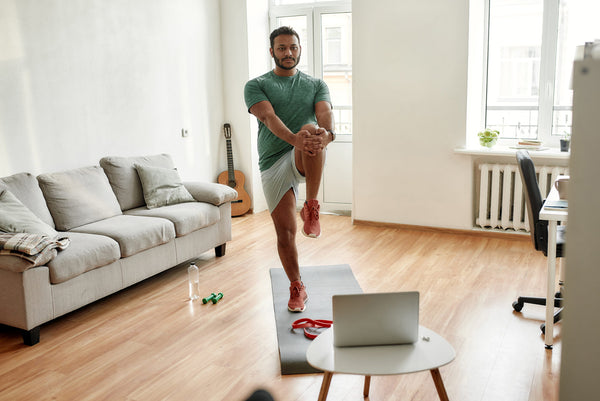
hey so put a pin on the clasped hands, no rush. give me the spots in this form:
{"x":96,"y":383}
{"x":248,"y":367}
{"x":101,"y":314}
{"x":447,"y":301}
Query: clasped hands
{"x":312,"y":143}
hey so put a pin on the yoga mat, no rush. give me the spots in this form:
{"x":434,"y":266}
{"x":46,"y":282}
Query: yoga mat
{"x":322,"y":282}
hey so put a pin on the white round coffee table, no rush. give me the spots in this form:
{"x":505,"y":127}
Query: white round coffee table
{"x":430,"y":352}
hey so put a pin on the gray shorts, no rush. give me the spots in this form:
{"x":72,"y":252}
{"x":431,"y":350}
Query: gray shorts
{"x":279,"y":178}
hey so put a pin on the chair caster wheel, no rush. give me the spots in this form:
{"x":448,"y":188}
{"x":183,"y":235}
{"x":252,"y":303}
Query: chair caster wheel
{"x":517,"y":306}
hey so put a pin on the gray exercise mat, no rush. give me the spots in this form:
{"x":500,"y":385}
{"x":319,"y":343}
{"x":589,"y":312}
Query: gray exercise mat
{"x":322,"y":282}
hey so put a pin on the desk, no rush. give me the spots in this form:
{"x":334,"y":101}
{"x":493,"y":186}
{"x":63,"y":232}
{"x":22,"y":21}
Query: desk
{"x":553,"y":217}
{"x":426,"y":354}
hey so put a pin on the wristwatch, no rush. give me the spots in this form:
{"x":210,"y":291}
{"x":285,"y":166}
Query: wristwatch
{"x":332,"y":134}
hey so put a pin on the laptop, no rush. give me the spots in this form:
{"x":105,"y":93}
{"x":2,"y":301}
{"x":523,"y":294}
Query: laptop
{"x":375,"y":319}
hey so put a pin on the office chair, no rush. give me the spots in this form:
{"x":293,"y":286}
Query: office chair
{"x":538,"y":229}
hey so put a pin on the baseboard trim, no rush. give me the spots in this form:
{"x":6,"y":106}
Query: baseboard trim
{"x":456,"y":231}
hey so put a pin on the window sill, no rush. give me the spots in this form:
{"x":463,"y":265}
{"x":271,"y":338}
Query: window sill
{"x":549,"y":153}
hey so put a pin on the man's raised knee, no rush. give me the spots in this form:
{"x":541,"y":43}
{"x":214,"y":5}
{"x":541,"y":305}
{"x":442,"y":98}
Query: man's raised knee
{"x":312,"y":128}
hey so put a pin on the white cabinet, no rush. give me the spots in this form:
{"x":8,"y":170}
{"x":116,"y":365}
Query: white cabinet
{"x":581,"y":326}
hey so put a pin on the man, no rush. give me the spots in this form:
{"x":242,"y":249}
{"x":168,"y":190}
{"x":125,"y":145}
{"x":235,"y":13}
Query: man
{"x":295,"y":124}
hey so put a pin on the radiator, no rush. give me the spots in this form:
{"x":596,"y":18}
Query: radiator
{"x":501,"y":197}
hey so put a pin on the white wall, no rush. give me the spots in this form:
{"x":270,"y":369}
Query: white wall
{"x":245,"y":44}
{"x":409,"y":99}
{"x":82,"y":79}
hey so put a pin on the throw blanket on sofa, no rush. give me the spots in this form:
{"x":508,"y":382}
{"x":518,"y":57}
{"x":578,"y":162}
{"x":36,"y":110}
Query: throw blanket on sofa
{"x":36,"y":248}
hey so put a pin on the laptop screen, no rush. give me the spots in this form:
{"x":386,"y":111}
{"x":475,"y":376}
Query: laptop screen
{"x":375,"y":319}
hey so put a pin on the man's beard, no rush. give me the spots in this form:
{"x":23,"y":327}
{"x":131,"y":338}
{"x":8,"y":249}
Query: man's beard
{"x":278,"y":62}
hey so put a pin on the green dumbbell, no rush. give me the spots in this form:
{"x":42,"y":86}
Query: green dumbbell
{"x":210,"y":298}
{"x":217,"y":298}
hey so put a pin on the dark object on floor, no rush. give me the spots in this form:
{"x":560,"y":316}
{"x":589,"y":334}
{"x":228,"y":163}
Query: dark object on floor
{"x":261,"y":395}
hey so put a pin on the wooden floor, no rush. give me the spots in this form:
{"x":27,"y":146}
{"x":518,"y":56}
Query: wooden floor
{"x":149,"y":343}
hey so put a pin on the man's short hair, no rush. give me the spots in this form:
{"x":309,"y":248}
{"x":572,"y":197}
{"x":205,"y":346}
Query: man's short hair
{"x":283,"y":30}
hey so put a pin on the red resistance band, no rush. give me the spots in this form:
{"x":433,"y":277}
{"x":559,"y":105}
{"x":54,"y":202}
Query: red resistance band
{"x":307,"y":324}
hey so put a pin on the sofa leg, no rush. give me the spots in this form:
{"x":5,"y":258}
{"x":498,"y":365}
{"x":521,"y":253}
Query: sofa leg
{"x":31,"y":337}
{"x":220,"y":250}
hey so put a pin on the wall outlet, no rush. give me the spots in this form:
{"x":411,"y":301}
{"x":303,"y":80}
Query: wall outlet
{"x":184,"y":132}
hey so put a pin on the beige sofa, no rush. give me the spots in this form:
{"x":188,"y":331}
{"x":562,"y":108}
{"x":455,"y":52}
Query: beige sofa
{"x":126,"y":219}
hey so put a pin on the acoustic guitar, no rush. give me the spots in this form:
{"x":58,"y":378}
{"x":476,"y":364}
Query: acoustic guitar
{"x":235,"y":179}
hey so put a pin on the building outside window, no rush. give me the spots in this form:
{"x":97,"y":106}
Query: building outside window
{"x":332,"y":48}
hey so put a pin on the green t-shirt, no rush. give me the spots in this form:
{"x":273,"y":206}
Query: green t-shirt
{"x":293,"y":99}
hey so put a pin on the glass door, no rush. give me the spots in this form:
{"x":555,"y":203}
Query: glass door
{"x":326,"y":40}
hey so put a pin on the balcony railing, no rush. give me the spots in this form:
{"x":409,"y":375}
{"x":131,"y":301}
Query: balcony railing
{"x":343,"y":120}
{"x":521,"y":122}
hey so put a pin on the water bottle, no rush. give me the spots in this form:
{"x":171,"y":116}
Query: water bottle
{"x":194,"y":281}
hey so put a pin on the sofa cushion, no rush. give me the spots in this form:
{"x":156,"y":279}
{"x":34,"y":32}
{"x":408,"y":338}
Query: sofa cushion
{"x":17,"y":218}
{"x":124,"y":178}
{"x":210,"y":192}
{"x":78,"y":197}
{"x":85,"y":252}
{"x":133,"y":233}
{"x":187,"y":217}
{"x":162,"y":186}
{"x":27,"y":190}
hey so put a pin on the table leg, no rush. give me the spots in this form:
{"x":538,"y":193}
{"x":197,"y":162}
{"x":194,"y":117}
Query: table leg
{"x":367,"y":386}
{"x":439,"y":384}
{"x":551,"y":284}
{"x":325,"y":385}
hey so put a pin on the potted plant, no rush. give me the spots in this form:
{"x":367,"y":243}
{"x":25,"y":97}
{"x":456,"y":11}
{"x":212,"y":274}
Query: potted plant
{"x":488,"y":137}
{"x":565,"y":142}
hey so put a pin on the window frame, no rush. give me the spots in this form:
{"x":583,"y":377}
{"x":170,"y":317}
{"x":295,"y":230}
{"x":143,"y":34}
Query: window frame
{"x":547,"y":78}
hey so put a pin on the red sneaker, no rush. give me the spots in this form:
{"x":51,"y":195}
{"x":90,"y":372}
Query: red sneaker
{"x":298,"y":297}
{"x":310,"y":217}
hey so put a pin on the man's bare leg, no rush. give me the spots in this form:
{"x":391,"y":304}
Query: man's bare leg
{"x":284,"y":220}
{"x":311,"y":167}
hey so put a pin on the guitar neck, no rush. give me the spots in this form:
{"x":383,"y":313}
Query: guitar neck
{"x":230,"y":169}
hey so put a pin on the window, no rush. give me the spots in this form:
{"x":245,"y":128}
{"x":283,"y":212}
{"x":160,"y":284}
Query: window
{"x":325,"y":31}
{"x":333,"y":45}
{"x":530,"y":50}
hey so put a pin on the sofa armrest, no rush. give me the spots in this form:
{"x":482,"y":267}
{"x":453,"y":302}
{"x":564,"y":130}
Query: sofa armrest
{"x":16,"y":264}
{"x":209,"y":192}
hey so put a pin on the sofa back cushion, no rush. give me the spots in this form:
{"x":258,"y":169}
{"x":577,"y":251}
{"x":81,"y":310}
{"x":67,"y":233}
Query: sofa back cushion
{"x":162,"y":186}
{"x":77,"y":197}
{"x":17,"y":218}
{"x":25,"y":188}
{"x":125,"y":180}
